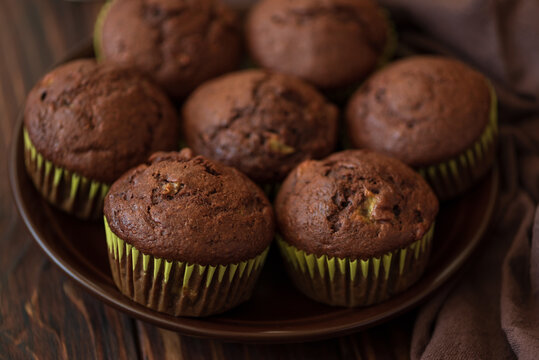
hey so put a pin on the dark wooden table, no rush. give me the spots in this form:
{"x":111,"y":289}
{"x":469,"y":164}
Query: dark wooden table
{"x":43,"y":314}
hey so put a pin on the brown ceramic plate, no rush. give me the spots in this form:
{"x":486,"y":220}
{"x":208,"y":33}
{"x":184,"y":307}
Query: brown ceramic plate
{"x":276,"y":312}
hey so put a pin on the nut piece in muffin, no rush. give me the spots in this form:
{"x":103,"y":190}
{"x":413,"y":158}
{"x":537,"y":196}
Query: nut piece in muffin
{"x":356,"y":227}
{"x":85,"y":124}
{"x":434,"y":113}
{"x":332,"y":44}
{"x":187,"y":236}
{"x":179,"y":44}
{"x":260,"y":122}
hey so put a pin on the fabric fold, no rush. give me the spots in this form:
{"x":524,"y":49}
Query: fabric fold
{"x":492,"y":311}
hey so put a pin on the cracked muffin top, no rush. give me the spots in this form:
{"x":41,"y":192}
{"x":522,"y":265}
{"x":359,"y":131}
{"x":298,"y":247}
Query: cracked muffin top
{"x":259,"y":122}
{"x":99,"y":120}
{"x":179,"y":43}
{"x":187,"y":208}
{"x":422,"y":110}
{"x":330,"y":43}
{"x":354,"y":204}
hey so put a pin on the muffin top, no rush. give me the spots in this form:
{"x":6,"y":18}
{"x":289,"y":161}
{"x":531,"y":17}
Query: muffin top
{"x":99,"y":120}
{"x":179,"y":43}
{"x":354,"y":204}
{"x":421,"y":110}
{"x":330,"y":43}
{"x":262,"y":123}
{"x":187,"y":208}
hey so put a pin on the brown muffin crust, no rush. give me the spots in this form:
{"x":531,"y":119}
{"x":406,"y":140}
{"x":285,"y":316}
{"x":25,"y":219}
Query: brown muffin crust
{"x":354,"y":204}
{"x":331,"y":43}
{"x":99,"y":120}
{"x":422,"y":110}
{"x":179,"y":44}
{"x":187,"y":208}
{"x":262,"y":123}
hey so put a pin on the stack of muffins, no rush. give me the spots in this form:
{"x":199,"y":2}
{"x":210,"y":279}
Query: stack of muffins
{"x":188,"y":231}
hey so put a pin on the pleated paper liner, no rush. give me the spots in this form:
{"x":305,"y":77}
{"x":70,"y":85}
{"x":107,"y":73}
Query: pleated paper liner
{"x":98,"y":30}
{"x":179,"y":288}
{"x":356,"y":282}
{"x":64,"y":189}
{"x":456,"y":175}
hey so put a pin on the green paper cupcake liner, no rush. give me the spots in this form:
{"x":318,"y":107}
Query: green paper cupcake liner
{"x":98,"y":27}
{"x":64,"y":189}
{"x":356,"y":282}
{"x":456,"y":175}
{"x":179,"y":288}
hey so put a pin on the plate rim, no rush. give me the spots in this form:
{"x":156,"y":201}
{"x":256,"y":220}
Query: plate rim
{"x":269,"y":336}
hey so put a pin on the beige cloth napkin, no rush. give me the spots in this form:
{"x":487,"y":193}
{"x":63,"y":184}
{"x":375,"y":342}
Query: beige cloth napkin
{"x":493,"y":311}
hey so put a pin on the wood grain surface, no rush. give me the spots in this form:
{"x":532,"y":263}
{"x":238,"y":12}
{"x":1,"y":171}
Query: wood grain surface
{"x":44,"y":315}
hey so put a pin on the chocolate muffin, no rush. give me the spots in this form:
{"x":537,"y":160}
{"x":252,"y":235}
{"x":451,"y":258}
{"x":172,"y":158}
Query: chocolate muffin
{"x":356,"y":227}
{"x":179,"y":44}
{"x":187,"y":236}
{"x":332,"y":44}
{"x":85,"y":124}
{"x":260,"y":122}
{"x":434,"y":113}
